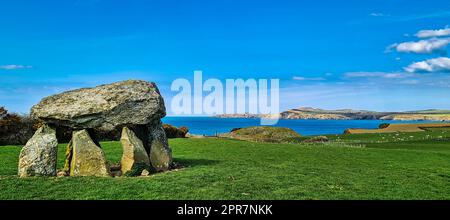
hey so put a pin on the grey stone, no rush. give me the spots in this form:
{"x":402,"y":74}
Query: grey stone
{"x":38,"y":156}
{"x":87,"y":158}
{"x":133,"y":151}
{"x":160,"y":153}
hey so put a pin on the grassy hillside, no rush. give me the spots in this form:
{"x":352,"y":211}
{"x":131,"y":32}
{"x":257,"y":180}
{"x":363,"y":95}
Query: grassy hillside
{"x":362,"y":166}
{"x":263,"y":134}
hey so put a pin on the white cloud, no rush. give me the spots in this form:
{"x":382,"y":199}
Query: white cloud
{"x":375,"y":14}
{"x":434,"y":33}
{"x":301,"y":78}
{"x":15,"y":67}
{"x":385,"y":75}
{"x":423,"y":46}
{"x":441,"y":64}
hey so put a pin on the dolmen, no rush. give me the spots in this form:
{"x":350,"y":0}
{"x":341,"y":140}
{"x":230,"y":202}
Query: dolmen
{"x":134,"y":106}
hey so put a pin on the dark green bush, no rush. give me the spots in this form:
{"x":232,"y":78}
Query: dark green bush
{"x":383,"y":125}
{"x":174,"y":132}
{"x":3,"y":113}
{"x":235,"y":129}
{"x":317,"y":139}
{"x":15,"y":129}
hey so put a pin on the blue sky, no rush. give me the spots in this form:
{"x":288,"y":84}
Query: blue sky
{"x":327,"y":54}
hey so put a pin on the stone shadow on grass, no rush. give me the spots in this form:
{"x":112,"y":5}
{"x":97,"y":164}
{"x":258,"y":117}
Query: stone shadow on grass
{"x":190,"y":162}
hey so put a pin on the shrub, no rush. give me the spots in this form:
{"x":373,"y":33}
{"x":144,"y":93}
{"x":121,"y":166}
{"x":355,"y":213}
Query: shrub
{"x":235,"y":129}
{"x":383,"y":125}
{"x":348,"y":131}
{"x":15,"y":129}
{"x":3,"y":113}
{"x":317,"y":139}
{"x":174,"y":132}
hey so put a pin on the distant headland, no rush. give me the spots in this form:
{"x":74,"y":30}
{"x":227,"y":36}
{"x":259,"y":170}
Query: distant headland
{"x":350,"y":114}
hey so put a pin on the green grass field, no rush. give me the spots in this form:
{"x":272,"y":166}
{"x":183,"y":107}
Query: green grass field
{"x":360,"y":166}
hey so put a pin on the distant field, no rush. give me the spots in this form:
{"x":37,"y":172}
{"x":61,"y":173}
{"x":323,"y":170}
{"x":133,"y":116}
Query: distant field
{"x":431,"y":140}
{"x":356,"y":166}
{"x":440,"y":116}
{"x":401,"y":128}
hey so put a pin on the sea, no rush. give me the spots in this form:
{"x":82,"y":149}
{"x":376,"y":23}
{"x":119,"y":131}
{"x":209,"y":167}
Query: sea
{"x":212,"y":126}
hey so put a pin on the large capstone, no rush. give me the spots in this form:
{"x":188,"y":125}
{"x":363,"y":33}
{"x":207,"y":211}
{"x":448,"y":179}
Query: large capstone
{"x":38,"y":156}
{"x":134,"y":154}
{"x":87,"y":158}
{"x":132,"y":102}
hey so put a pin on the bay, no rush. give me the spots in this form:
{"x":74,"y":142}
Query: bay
{"x":212,"y":125}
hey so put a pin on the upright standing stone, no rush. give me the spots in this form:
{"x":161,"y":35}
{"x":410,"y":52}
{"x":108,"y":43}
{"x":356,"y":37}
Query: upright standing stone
{"x":38,"y":157}
{"x":134,"y":153}
{"x":160,"y":153}
{"x":87,"y":158}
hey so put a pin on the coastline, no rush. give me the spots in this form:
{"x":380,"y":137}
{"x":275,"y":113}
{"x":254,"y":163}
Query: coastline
{"x":308,"y":113}
{"x":212,"y":125}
